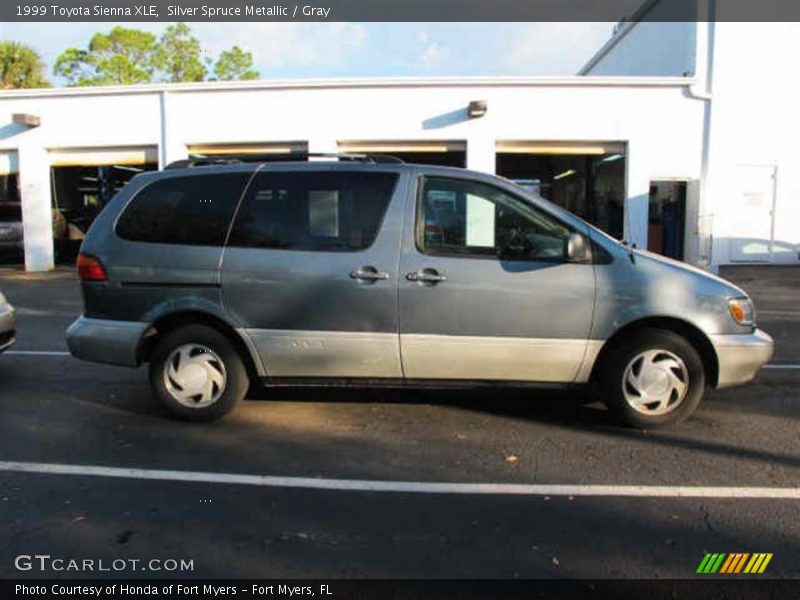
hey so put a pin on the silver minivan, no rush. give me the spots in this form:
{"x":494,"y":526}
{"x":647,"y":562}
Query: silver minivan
{"x":371,"y":271}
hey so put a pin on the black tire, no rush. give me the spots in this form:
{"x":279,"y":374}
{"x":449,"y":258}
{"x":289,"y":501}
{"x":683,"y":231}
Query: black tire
{"x":234,"y":372}
{"x":614,"y":384}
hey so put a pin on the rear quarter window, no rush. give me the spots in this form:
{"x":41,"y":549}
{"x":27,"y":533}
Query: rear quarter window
{"x":191,"y":210}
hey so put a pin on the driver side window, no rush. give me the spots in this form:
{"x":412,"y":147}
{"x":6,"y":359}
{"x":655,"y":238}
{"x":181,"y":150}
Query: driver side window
{"x":457,"y":217}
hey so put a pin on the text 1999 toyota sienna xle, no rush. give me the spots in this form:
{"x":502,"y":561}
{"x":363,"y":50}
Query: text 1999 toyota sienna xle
{"x":371,"y":271}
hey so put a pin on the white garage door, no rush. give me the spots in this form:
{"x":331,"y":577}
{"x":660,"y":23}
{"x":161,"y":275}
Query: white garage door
{"x":78,"y":157}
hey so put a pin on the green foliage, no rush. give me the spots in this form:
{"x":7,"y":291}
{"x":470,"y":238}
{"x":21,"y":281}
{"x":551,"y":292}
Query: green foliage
{"x":20,"y":67}
{"x":121,"y":57}
{"x":179,"y":55}
{"x":127,"y":56}
{"x":235,"y":64}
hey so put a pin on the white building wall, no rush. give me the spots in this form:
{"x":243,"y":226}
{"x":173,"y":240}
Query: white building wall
{"x":85,"y":120}
{"x":72,"y":121}
{"x":661,"y":126}
{"x":754,"y":167}
{"x":747,"y":207}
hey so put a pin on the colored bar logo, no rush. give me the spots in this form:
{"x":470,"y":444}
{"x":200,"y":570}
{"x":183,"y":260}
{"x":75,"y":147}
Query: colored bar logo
{"x":734,"y":563}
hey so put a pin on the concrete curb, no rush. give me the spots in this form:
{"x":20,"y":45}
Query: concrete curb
{"x":778,"y":377}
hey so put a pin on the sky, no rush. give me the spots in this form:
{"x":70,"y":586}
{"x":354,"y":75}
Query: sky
{"x":292,"y":50}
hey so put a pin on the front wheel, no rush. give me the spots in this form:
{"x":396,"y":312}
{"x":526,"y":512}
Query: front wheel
{"x":654,"y":378}
{"x":197,"y":374}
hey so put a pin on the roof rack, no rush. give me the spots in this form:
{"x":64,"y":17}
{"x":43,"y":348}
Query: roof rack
{"x":199,"y":160}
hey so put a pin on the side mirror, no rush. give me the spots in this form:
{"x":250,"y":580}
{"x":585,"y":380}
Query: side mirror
{"x":511,"y":253}
{"x":577,"y":248}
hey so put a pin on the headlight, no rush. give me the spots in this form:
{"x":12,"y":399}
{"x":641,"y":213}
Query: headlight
{"x":742,"y":311}
{"x":2,"y":299}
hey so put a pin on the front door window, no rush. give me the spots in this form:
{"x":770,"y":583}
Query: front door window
{"x":469,"y":218}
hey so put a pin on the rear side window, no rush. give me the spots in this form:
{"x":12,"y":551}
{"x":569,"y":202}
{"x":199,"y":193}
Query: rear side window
{"x":193,"y":210}
{"x":324,"y":211}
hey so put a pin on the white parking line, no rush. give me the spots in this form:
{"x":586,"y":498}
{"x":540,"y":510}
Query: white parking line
{"x":65,"y":353}
{"x":409,"y":487}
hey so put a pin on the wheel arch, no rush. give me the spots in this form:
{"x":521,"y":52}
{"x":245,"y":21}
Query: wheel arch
{"x":172,"y":321}
{"x":691,"y":333}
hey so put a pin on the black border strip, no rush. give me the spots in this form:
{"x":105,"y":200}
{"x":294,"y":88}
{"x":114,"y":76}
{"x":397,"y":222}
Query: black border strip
{"x":398,"y":10}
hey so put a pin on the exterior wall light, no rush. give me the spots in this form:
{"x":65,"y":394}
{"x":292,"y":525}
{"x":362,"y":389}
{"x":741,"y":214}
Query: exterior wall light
{"x":477,"y":108}
{"x":26,"y":119}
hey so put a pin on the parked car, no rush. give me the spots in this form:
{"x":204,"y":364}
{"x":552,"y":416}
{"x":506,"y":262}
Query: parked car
{"x":377,"y":272}
{"x":11,"y":230}
{"x":10,"y":227}
{"x":7,"y":324}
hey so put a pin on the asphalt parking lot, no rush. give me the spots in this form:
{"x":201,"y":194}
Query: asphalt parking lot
{"x":57,"y":410}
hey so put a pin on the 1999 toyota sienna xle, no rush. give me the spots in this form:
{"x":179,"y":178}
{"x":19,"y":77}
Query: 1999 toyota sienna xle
{"x":370,"y":271}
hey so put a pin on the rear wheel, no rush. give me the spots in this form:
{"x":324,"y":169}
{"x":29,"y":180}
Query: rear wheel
{"x":197,"y":374}
{"x":654,"y":378}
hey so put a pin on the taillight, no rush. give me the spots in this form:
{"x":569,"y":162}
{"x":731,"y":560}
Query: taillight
{"x":90,"y":269}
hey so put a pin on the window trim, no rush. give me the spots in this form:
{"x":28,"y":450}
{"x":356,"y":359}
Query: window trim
{"x":392,"y":197}
{"x":419,"y":231}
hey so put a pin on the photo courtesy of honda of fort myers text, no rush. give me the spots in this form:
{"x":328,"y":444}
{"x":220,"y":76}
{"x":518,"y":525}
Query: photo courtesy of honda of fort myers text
{"x":214,"y":590}
{"x":399,"y":299}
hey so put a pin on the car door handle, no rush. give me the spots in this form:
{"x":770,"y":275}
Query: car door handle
{"x":369,"y":274}
{"x":426,"y":276}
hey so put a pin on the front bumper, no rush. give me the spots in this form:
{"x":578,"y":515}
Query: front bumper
{"x":739,"y":357}
{"x":106,"y":341}
{"x":7,"y":326}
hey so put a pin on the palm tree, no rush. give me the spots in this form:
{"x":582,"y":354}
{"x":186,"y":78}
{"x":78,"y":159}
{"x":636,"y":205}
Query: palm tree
{"x":20,"y":67}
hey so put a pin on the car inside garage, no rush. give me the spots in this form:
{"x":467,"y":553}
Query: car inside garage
{"x":585,"y":178}
{"x":83,"y":181}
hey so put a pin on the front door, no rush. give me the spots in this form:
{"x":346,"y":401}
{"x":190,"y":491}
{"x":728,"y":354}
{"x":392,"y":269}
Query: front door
{"x":485,"y":292}
{"x":751,"y":213}
{"x":310,"y":271}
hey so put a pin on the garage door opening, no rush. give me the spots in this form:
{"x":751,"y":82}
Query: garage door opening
{"x":10,"y":211}
{"x":587,"y":179}
{"x":265,"y":151}
{"x":439,"y":153}
{"x":82,"y":183}
{"x":667,"y":218}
